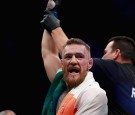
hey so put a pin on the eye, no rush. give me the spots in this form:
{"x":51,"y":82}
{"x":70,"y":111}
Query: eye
{"x":79,"y":56}
{"x":67,"y":57}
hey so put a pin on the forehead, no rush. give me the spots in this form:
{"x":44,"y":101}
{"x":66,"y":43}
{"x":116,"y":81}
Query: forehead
{"x":74,"y":48}
{"x":109,"y":45}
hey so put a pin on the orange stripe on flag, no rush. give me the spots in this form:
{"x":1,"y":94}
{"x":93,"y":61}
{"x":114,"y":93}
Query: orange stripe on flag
{"x":67,"y":106}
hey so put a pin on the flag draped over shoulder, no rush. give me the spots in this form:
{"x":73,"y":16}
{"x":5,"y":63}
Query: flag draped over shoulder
{"x":57,"y":87}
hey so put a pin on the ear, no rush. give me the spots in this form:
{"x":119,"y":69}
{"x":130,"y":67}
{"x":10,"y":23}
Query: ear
{"x":116,"y":54}
{"x":90,"y":64}
{"x":62,"y":64}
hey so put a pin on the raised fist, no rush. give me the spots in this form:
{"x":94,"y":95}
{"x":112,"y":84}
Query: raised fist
{"x":49,"y":21}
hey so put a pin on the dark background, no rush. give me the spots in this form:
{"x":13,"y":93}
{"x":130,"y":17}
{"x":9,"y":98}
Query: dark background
{"x":23,"y":81}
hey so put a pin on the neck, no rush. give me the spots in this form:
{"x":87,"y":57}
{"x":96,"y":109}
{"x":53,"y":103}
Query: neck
{"x":124,"y":61}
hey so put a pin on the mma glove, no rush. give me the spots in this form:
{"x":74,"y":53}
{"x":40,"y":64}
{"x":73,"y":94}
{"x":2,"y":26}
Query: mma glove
{"x":49,"y":21}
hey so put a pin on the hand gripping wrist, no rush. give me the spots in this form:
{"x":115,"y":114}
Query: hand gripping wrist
{"x":50,"y":22}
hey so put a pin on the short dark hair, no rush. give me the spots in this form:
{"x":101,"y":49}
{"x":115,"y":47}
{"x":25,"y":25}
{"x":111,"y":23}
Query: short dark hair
{"x":77,"y":41}
{"x":126,"y":45}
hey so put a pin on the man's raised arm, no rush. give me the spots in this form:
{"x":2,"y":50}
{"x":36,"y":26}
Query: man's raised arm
{"x":52,"y":25}
{"x":50,"y":55}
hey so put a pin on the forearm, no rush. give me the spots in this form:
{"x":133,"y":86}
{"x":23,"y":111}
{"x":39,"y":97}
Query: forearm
{"x":59,"y":38}
{"x":50,"y":55}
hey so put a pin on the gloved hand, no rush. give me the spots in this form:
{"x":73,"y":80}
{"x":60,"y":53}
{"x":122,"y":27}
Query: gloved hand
{"x":49,"y":21}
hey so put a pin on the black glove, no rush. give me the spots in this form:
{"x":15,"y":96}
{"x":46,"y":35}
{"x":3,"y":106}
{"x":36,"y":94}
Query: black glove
{"x":49,"y":21}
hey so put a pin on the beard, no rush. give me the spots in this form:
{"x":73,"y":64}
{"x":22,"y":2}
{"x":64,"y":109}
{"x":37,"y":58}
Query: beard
{"x":72,"y":81}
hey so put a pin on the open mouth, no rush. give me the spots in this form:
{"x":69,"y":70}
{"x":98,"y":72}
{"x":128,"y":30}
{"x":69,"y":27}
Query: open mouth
{"x":74,"y":70}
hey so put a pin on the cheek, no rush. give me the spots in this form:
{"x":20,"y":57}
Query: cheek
{"x":108,"y":56}
{"x":105,"y":56}
{"x":84,"y":64}
{"x":64,"y":65}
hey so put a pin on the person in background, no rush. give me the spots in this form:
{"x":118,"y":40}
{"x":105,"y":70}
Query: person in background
{"x":115,"y":71}
{"x":7,"y":112}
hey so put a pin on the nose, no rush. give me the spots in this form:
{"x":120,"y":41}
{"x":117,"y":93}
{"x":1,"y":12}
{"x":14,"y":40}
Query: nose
{"x":73,"y":60}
